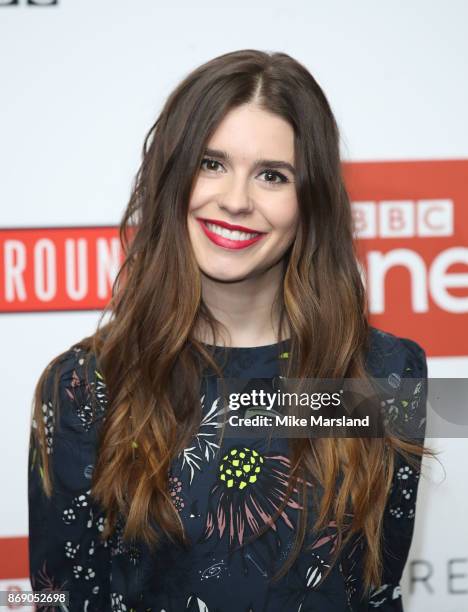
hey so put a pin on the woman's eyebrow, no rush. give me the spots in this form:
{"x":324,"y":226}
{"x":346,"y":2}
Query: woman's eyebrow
{"x":271,"y":163}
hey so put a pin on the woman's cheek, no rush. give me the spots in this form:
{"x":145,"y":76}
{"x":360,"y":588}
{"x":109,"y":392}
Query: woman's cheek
{"x":283,"y":215}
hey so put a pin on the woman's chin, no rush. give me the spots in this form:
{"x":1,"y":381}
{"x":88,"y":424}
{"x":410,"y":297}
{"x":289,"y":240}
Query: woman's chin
{"x":225,"y":275}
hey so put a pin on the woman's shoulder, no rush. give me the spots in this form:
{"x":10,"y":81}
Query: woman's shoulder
{"x":389,"y":353}
{"x":400,"y":364}
{"x":74,"y":395}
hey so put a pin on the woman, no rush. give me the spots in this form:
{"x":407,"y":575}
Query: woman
{"x":239,"y":263}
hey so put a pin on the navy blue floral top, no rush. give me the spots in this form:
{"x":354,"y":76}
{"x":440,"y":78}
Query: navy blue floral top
{"x":224,"y":494}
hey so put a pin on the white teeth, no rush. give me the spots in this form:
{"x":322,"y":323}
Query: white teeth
{"x":231,"y":234}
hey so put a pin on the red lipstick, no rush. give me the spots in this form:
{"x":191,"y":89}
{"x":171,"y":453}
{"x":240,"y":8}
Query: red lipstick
{"x":229,"y":243}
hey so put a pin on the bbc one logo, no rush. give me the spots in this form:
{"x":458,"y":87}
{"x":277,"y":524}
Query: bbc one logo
{"x":403,"y":218}
{"x":428,"y":278}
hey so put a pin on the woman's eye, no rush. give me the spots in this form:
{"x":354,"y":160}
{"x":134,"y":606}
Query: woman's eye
{"x":273,"y":177}
{"x":276,"y":175}
{"x":209,"y":164}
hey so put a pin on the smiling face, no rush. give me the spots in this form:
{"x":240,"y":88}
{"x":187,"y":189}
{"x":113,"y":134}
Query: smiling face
{"x":243,"y":210}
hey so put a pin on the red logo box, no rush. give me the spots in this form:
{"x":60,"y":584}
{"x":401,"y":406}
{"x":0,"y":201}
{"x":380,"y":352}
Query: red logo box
{"x":411,"y":221}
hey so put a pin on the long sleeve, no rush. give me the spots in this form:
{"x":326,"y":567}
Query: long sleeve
{"x":409,"y":410}
{"x":65,"y":551}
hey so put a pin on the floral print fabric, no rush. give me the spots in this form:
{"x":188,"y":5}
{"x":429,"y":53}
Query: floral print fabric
{"x":224,"y":496}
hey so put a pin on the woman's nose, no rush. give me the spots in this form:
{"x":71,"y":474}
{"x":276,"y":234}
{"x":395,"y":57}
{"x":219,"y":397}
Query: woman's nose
{"x":235,"y":198}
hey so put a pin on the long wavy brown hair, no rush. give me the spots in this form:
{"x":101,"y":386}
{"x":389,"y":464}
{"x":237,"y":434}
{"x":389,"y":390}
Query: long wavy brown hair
{"x":148,"y":352}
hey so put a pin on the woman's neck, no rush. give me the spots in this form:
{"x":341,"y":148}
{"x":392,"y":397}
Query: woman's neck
{"x":245,"y":308}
